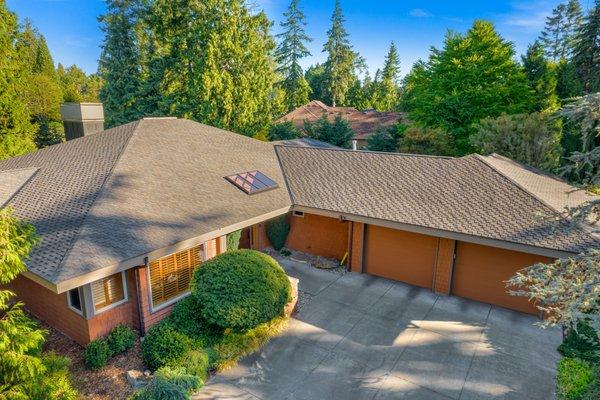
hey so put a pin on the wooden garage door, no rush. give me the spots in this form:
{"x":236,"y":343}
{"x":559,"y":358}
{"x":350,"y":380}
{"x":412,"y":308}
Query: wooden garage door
{"x":480,"y":272}
{"x":400,"y":255}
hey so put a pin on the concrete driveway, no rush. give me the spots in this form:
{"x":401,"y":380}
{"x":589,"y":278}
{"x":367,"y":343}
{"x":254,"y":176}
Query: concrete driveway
{"x":363,"y":337}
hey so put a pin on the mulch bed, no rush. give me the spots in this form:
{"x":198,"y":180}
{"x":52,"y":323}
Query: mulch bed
{"x":108,"y":383}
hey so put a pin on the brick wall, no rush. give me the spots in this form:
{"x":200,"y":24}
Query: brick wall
{"x":319,"y":235}
{"x":51,"y":308}
{"x":443,"y":266}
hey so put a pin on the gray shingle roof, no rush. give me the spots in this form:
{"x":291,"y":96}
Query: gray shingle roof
{"x":12,"y":180}
{"x":108,"y":197}
{"x":305,"y":142}
{"x":463,"y":195}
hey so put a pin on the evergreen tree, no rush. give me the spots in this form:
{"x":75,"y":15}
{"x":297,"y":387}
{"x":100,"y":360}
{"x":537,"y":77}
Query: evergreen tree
{"x":552,"y":37}
{"x":213,"y":63}
{"x":76,"y":86}
{"x":386,"y":95}
{"x":289,"y":52}
{"x":541,"y":76}
{"x":315,"y":76}
{"x":360,"y":94}
{"x":341,"y":59}
{"x":16,"y":130}
{"x":119,"y":65}
{"x":473,"y":77}
{"x":586,"y":54}
{"x":338,"y":132}
{"x":567,"y":80}
{"x":573,"y":22}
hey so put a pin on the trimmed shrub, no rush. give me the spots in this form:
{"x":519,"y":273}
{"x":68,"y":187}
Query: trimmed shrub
{"x":97,"y":353}
{"x":168,"y":384}
{"x":277,"y":231}
{"x":574,"y":377}
{"x":241,"y":289}
{"x":120,"y":339}
{"x":583,"y":344}
{"x":163,"y":345}
{"x":233,"y":240}
{"x":194,"y":362}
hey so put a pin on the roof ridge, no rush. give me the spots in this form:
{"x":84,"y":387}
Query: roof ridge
{"x":384,"y":153}
{"x":136,"y":125}
{"x":515,"y":183}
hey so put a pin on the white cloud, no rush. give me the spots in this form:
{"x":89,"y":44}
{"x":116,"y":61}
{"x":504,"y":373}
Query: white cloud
{"x":420,"y":13}
{"x":528,"y":16}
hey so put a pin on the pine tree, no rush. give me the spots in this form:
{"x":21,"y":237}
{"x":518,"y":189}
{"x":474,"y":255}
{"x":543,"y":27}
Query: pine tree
{"x":542,"y":78}
{"x":552,"y":37}
{"x":586,"y":54}
{"x":315,"y":76}
{"x":473,"y":77}
{"x":386,"y":93}
{"x":573,"y":22}
{"x":341,"y":59}
{"x":289,"y":52}
{"x":119,"y":65}
{"x":16,"y":130}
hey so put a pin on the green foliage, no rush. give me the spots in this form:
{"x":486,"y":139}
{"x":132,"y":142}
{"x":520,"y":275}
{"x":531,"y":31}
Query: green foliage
{"x":16,"y":130}
{"x":233,"y":240}
{"x":418,"y":140}
{"x":170,"y":384}
{"x":240,"y":289}
{"x":582,"y":343}
{"x":55,"y":383}
{"x":586,"y":51}
{"x":97,"y":353}
{"x":558,"y":36}
{"x":76,"y":86}
{"x":568,"y":84}
{"x":383,"y":139}
{"x":315,"y":76}
{"x":164,"y":345}
{"x":386,"y":93}
{"x":194,"y":362}
{"x":119,"y":63}
{"x":283,"y":131}
{"x":288,"y":55}
{"x":342,"y":61}
{"x":574,"y":377}
{"x":120,"y":339}
{"x":542,"y":78}
{"x":473,"y":77}
{"x":337,"y":132}
{"x":277,"y":231}
{"x":533,"y":139}
{"x":187,"y":318}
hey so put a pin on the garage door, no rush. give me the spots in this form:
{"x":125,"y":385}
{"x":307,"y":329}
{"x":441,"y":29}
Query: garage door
{"x":480,"y":272}
{"x":400,"y":255}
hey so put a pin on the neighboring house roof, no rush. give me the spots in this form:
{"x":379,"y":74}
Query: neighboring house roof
{"x":305,"y":142}
{"x":363,"y":123}
{"x":11,"y":181}
{"x":463,"y":195}
{"x":106,"y":198}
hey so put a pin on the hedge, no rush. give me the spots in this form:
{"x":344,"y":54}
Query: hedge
{"x":277,"y":231}
{"x":241,"y":289}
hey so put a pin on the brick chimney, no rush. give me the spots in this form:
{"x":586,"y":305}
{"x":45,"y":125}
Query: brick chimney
{"x":82,"y":119}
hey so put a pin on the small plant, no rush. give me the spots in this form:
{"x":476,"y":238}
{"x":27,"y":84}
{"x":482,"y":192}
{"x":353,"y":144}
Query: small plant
{"x":277,"y":231}
{"x":194,"y":362}
{"x":241,"y":289}
{"x":233,"y":240}
{"x":120,"y":339}
{"x":163,"y":345}
{"x":97,"y":353}
{"x":574,"y":377}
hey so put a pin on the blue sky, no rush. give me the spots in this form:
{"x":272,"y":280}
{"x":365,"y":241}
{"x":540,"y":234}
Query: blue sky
{"x":74,"y":37}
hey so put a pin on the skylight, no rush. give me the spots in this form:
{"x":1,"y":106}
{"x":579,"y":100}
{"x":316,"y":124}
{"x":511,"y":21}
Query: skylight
{"x":252,"y":182}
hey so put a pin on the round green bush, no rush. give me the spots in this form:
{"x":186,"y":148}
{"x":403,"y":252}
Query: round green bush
{"x":120,"y":339}
{"x":241,"y":289}
{"x":97,"y":353}
{"x":277,"y":231}
{"x":163,"y":345}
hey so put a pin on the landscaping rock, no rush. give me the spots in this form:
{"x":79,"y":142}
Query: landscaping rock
{"x":138,"y":379}
{"x":291,"y":306}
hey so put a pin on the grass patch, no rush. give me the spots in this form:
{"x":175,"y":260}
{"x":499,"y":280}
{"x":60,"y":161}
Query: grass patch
{"x":574,"y":378}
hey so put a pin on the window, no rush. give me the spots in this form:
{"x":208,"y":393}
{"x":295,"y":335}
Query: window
{"x":74,"y":300}
{"x":299,"y":214}
{"x":108,"y":292}
{"x":252,"y":182}
{"x":170,"y":276}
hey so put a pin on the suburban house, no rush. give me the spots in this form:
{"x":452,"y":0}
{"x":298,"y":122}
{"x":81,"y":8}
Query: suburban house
{"x":363,"y":123}
{"x":127,"y":214}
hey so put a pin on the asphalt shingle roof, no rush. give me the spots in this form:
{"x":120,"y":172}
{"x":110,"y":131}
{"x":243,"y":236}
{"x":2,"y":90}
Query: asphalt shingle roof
{"x":124,"y":192}
{"x":463,"y":195}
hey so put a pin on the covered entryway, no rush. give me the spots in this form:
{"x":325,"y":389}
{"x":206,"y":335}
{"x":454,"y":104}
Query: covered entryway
{"x":480,"y":272}
{"x":400,"y":255}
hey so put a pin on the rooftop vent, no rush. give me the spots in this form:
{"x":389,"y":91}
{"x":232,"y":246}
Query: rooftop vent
{"x":82,"y":119}
{"x":252,"y":182}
